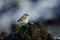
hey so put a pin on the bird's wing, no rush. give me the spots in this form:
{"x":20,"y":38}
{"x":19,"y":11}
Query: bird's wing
{"x":20,"y":19}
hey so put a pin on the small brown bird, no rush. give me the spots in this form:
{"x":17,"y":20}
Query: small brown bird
{"x":24,"y":19}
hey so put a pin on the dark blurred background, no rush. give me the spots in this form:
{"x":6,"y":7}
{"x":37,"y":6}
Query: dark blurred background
{"x":45,"y":11}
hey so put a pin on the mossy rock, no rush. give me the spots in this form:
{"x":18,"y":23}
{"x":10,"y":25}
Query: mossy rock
{"x":35,"y":31}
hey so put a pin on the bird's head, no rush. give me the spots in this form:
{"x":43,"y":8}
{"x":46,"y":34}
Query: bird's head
{"x":26,"y":14}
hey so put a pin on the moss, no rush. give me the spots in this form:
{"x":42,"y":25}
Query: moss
{"x":36,"y":31}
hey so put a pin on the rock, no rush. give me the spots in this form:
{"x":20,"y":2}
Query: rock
{"x":36,"y":31}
